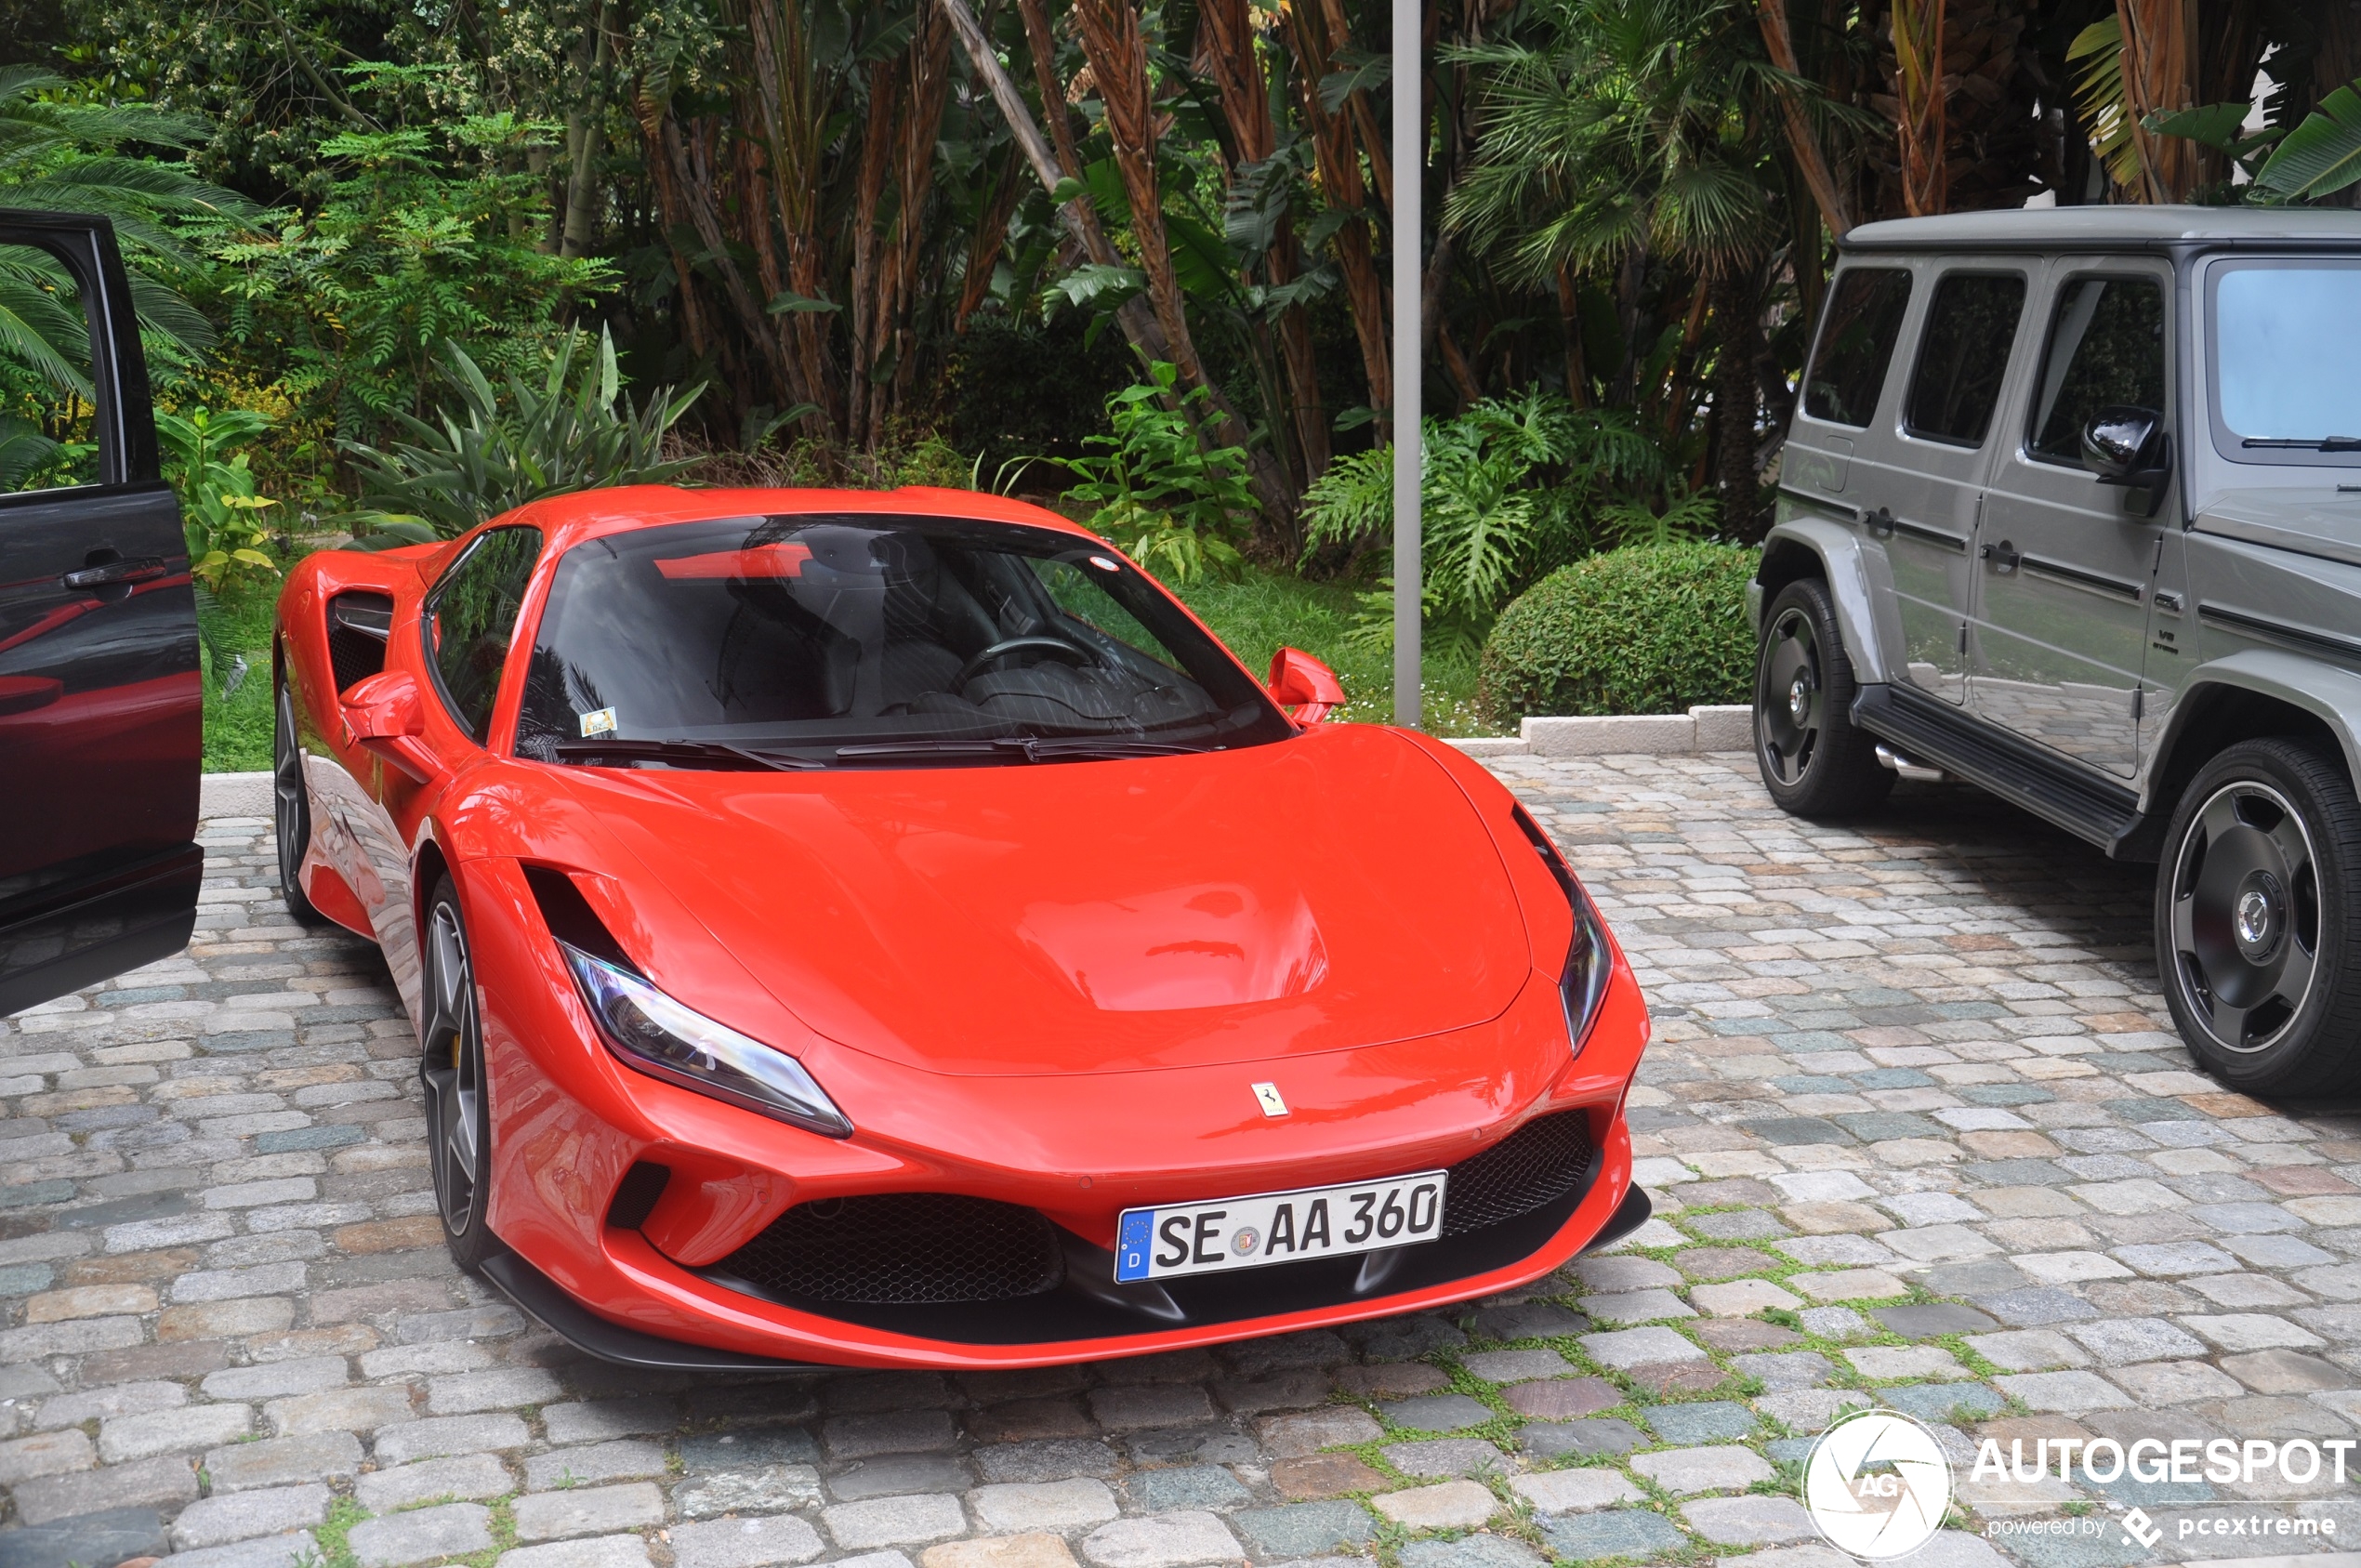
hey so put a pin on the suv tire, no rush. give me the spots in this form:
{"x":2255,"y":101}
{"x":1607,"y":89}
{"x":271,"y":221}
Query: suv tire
{"x":2258,"y":940}
{"x":1813,"y":761}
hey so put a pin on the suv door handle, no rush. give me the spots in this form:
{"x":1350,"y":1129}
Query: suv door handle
{"x":2003,"y":556}
{"x":1880,"y":523}
{"x":113,"y":574}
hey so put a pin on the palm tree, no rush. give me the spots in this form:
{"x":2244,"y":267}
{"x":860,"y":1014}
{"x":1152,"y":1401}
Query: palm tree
{"x":61,"y":155}
{"x":1621,"y":131}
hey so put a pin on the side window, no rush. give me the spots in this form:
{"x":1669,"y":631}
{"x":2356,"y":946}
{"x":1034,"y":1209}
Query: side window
{"x":2106,"y":346}
{"x":473,"y":616}
{"x":1963,"y":355}
{"x":1848,"y":372}
{"x":48,"y":412}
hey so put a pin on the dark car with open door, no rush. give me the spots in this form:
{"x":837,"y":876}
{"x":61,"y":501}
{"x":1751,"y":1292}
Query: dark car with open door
{"x":101,"y":696}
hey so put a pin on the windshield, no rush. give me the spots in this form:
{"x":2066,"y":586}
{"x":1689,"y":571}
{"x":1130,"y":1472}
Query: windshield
{"x":857,"y":640}
{"x":2285,"y":339}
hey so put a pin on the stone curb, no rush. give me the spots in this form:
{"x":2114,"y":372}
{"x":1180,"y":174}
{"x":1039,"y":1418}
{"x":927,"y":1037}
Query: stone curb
{"x":234,"y":795}
{"x":1717,"y":728}
{"x":1662,"y":734}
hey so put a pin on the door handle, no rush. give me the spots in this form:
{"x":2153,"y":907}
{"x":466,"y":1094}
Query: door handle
{"x":2003,"y":556}
{"x":1880,"y":524}
{"x":115,"y":573}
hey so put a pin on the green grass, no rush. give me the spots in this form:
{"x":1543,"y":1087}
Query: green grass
{"x":237,"y":729}
{"x":1256,"y":615}
{"x":1262,"y":611}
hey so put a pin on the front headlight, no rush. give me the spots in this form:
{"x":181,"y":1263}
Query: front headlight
{"x":649,"y":1031}
{"x":1589,"y":962}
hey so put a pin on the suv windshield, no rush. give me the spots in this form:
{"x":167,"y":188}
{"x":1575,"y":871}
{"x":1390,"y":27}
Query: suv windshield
{"x":2286,"y":339}
{"x":866,"y":640}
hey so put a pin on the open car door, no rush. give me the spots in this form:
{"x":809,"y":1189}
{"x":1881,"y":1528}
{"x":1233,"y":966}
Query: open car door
{"x":101,"y":698}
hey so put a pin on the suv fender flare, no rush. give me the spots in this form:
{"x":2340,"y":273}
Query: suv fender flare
{"x":2327,"y":693}
{"x":1806,"y":546}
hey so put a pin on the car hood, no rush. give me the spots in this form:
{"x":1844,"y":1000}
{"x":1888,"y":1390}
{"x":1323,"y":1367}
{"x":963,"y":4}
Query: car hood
{"x":1332,"y":890}
{"x":2306,"y":520}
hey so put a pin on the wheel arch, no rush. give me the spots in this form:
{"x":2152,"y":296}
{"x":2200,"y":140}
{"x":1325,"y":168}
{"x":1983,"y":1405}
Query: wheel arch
{"x":430,"y":867}
{"x":1811,"y":546}
{"x":2251,"y":695}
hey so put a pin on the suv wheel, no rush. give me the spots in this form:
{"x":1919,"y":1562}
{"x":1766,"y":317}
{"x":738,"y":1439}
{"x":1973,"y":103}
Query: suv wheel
{"x":1813,"y":761}
{"x":2256,"y":936}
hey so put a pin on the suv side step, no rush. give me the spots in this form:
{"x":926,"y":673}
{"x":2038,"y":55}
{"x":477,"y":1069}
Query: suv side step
{"x":1933,"y":732}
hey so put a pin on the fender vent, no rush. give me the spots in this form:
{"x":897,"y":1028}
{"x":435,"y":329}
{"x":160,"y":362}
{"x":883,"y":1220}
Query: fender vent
{"x":902,"y":1248}
{"x":570,"y":917}
{"x":359,"y":626}
{"x":1530,"y":1168}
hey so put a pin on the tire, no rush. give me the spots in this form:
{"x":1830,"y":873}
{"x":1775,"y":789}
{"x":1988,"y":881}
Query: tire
{"x":458,"y":1096}
{"x":2258,"y":940}
{"x":291,"y":812}
{"x":1813,"y":761}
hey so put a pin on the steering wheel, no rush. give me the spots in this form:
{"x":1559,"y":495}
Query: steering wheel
{"x":1071,"y":653}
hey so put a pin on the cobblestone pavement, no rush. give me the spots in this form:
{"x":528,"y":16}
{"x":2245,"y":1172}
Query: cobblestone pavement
{"x":1914,"y":1124}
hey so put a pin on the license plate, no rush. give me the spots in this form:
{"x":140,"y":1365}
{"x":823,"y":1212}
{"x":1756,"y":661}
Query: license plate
{"x":1160,"y":1244}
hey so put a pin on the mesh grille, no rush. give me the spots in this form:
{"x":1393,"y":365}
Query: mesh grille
{"x":1532,"y":1168}
{"x":903,"y":1249}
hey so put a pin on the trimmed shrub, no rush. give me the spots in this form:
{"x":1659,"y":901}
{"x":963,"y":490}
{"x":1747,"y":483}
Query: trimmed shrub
{"x":1649,"y":628}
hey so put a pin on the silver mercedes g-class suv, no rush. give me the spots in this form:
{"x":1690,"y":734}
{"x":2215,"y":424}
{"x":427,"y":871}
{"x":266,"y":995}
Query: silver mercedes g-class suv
{"x":2071,"y":509}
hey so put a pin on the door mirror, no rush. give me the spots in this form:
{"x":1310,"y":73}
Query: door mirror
{"x":2121,"y":441}
{"x":2128,"y":445}
{"x":383,"y":715}
{"x":1302,"y":683}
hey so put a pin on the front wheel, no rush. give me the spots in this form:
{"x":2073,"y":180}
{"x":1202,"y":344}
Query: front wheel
{"x":2257,"y":940}
{"x":1813,"y":761}
{"x":458,"y":1097}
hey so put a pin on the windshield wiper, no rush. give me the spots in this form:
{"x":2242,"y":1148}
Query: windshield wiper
{"x":2325,"y":444}
{"x":682,"y":751}
{"x":1014,"y":748}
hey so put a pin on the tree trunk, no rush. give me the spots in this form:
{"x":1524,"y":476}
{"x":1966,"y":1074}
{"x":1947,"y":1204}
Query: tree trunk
{"x":2160,"y":75}
{"x":1340,"y":165}
{"x":1919,"y":96}
{"x":1119,"y":60}
{"x":585,"y":141}
{"x":1803,"y":143}
{"x":1736,"y":298}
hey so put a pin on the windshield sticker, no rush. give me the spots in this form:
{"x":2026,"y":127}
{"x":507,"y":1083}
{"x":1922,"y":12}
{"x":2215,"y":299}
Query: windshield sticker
{"x":598,"y":723}
{"x":783,"y":559}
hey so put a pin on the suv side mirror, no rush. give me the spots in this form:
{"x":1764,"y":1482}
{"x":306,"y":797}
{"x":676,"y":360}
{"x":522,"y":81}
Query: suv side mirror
{"x":1302,"y":683}
{"x":2128,"y":445}
{"x":382,"y":715}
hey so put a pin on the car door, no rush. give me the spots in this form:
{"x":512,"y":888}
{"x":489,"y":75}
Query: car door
{"x":2060,"y":627}
{"x":1926,"y":493}
{"x":101,"y":699}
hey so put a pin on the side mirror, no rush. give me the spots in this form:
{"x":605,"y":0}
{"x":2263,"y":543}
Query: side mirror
{"x":1302,"y":683}
{"x":382,"y":715}
{"x":2128,"y":445}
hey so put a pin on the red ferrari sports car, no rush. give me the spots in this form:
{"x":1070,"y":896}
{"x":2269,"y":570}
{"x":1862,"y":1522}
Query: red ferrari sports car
{"x":891,"y":930}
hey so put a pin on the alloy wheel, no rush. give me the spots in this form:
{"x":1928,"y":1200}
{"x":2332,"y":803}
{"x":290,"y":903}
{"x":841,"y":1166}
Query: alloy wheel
{"x":453,"y":1069}
{"x":1787,"y":704}
{"x":2245,"y":916}
{"x":288,"y":813}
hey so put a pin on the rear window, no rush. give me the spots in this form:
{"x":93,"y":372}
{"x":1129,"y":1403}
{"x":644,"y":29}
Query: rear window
{"x":1963,"y":356}
{"x":1865,"y":318}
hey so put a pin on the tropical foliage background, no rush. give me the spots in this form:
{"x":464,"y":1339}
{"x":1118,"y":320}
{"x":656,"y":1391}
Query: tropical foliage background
{"x":402,"y":261}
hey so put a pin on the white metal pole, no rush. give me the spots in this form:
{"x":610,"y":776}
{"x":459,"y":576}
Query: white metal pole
{"x":1409,"y":160}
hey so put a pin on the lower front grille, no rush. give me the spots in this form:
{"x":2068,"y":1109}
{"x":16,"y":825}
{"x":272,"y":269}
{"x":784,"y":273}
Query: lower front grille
{"x":901,"y":1249}
{"x":1530,"y":1168}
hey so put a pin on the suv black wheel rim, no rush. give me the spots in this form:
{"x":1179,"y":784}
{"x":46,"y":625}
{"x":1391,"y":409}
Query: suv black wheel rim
{"x":287,"y":795}
{"x":1788,"y":696}
{"x":453,"y":1070}
{"x":2245,"y":916}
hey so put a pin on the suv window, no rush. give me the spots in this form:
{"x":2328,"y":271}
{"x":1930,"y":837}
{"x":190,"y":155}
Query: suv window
{"x":473,"y":616}
{"x":1865,"y":318}
{"x":2106,"y":346}
{"x":1963,"y":356}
